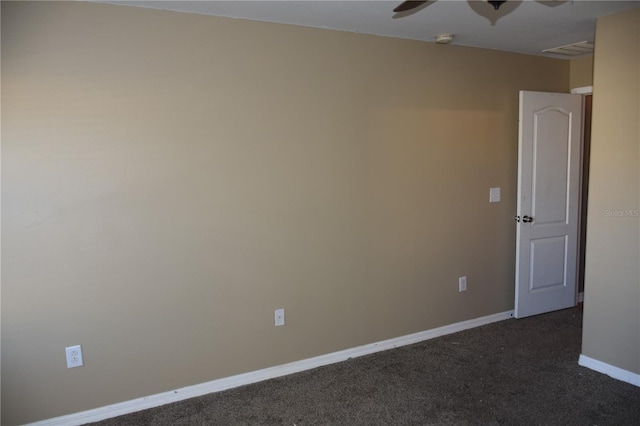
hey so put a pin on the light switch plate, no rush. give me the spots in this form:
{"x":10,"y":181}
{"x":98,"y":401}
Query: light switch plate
{"x":494,"y":195}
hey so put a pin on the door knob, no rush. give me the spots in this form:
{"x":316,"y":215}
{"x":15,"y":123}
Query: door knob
{"x":527,"y":219}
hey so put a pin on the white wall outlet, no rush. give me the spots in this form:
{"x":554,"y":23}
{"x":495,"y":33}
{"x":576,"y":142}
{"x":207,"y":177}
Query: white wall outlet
{"x":279,"y":317}
{"x":494,"y":195}
{"x":74,"y":356}
{"x":462,"y":284}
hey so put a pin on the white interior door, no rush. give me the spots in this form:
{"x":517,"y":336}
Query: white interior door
{"x":548,"y":202}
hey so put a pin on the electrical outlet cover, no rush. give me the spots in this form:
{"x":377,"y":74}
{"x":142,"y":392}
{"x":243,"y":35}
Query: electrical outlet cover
{"x":74,"y":356}
{"x":462,"y":284}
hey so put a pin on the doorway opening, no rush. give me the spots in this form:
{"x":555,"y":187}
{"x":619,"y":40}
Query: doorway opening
{"x":587,"y":93}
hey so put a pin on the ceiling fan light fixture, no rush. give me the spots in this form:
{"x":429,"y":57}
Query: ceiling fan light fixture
{"x":444,"y":38}
{"x":496,"y":3}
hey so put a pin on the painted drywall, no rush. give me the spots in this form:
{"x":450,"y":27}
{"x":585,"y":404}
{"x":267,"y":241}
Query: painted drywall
{"x":611,"y":329}
{"x":168,"y":180}
{"x":581,"y":72}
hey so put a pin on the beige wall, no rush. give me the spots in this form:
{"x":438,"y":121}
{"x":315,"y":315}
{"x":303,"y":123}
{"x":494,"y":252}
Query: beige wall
{"x":581,"y":72}
{"x":611,"y":331}
{"x":168,"y":180}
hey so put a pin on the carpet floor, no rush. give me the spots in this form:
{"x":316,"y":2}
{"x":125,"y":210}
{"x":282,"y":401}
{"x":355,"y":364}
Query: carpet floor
{"x":513,"y":372}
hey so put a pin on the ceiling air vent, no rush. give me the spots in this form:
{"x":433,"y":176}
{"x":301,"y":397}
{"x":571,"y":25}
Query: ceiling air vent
{"x":575,"y":49}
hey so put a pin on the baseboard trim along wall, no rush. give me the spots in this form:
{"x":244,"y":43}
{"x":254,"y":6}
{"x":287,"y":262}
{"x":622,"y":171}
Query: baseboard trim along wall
{"x":218,"y":385}
{"x":609,"y":370}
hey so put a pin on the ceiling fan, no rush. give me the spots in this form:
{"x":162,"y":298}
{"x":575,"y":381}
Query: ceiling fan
{"x":409,"y":5}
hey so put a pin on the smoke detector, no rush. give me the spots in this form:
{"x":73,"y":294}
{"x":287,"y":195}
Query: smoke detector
{"x":444,"y":38}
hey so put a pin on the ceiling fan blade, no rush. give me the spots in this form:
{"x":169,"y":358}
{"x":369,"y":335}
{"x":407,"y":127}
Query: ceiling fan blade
{"x":408,"y":5}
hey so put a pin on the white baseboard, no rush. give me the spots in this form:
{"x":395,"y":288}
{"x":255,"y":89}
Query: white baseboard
{"x":609,"y":370}
{"x":157,"y":400}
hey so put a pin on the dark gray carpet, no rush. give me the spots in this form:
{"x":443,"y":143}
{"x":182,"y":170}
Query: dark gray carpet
{"x":514,"y":372}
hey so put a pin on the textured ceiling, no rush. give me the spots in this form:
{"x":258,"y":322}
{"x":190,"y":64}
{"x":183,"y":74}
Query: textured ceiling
{"x":524,"y":26}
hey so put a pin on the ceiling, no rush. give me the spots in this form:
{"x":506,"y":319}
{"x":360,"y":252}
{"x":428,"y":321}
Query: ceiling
{"x":524,"y":26}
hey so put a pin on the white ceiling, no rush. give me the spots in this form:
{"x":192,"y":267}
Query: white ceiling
{"x":525,"y":26}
